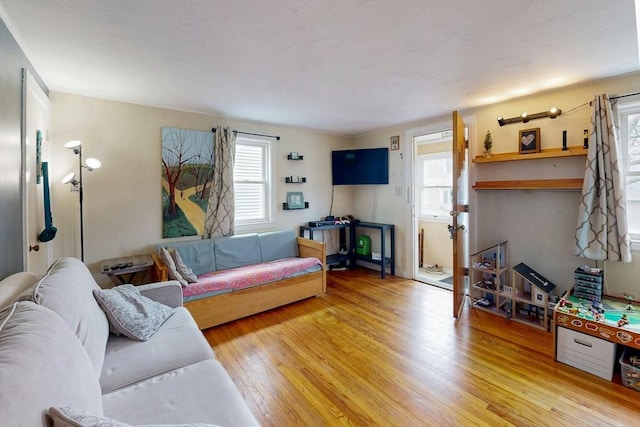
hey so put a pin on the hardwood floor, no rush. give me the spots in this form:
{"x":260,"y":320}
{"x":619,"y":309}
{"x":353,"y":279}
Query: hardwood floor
{"x":387,"y":352}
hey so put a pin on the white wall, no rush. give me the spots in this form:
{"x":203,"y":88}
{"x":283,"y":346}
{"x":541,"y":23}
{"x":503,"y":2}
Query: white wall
{"x":122,"y":200}
{"x":539,"y":225}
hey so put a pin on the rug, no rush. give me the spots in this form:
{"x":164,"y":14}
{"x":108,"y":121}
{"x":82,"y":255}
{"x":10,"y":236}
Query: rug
{"x":447,"y":280}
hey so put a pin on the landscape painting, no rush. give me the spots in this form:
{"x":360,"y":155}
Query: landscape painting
{"x":187,"y":172}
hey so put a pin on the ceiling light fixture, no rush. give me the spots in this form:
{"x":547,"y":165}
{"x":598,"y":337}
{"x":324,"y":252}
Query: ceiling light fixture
{"x":552,"y":113}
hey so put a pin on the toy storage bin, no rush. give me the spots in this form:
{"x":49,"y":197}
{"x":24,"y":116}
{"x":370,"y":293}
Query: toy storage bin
{"x":588,"y":353}
{"x":630,"y":373}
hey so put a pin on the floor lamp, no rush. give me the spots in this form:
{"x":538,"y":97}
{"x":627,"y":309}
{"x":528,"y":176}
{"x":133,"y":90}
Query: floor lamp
{"x":76,"y":184}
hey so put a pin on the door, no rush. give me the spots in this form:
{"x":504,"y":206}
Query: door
{"x":35,"y":135}
{"x":459,"y":213}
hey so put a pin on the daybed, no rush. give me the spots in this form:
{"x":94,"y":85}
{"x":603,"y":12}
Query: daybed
{"x":245,"y":274}
{"x":56,"y":352}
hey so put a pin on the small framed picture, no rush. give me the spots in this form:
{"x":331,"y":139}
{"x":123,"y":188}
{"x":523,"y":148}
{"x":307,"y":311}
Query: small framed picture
{"x":395,"y":142}
{"x":529,"y":141}
{"x":295,"y":200}
{"x":295,"y":178}
{"x":293,"y":155}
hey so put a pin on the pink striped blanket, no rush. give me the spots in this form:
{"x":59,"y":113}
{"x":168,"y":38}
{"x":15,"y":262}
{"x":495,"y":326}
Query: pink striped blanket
{"x":219,"y":282}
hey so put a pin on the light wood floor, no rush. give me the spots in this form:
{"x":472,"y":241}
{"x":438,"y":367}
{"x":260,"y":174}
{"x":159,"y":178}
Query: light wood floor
{"x":387,"y":352}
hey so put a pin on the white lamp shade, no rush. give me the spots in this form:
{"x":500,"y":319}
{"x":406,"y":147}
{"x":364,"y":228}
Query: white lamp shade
{"x":73,"y":144}
{"x":93,"y":164}
{"x":68,"y":178}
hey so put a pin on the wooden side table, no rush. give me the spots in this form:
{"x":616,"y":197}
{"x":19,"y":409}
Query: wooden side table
{"x":128,"y":269}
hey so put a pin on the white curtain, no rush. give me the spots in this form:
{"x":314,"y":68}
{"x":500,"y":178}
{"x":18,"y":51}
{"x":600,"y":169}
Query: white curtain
{"x":602,"y":232}
{"x":219,"y":221}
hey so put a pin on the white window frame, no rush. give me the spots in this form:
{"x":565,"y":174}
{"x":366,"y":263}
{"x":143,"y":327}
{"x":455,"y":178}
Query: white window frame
{"x":443,"y":217}
{"x":268,"y":221}
{"x":624,"y":109}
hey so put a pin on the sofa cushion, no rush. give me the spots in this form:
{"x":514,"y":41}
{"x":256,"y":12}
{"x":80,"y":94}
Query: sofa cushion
{"x":172,"y":270}
{"x":67,"y":289}
{"x":12,"y":286}
{"x":177,"y":343}
{"x":236,"y":251}
{"x":130,"y":313}
{"x":278,"y":245}
{"x":42,"y":364}
{"x":202,"y":392}
{"x":197,"y":254}
{"x":71,"y":416}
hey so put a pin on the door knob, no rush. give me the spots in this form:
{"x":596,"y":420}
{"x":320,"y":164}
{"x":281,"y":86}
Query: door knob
{"x":34,"y":248}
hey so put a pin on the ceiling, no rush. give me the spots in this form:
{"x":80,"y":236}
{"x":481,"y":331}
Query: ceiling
{"x":340,"y":66}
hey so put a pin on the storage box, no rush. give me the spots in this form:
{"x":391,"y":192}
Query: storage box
{"x":588,"y":353}
{"x":630,"y":373}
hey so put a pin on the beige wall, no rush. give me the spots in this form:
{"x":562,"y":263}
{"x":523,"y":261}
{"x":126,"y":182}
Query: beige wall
{"x":438,"y":247}
{"x":539,"y":225}
{"x":122,"y":200}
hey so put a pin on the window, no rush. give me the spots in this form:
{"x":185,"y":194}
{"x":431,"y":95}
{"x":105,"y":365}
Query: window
{"x":629,"y":116}
{"x":252,"y":182}
{"x":435,"y":195}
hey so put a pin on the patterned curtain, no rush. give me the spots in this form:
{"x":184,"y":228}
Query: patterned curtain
{"x":219,"y":221}
{"x":602,"y":232}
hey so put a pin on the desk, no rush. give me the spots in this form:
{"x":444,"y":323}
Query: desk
{"x":134,"y":268}
{"x":351,"y":255}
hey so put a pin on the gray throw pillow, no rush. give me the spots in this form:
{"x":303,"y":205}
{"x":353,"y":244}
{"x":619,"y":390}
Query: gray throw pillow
{"x":69,"y":416}
{"x":182,"y":268}
{"x":174,"y":274}
{"x":130,"y":313}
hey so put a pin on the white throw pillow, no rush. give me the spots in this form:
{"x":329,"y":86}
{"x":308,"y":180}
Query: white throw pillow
{"x":69,"y":416}
{"x":130,"y":313}
{"x":182,"y":268}
{"x":174,"y":274}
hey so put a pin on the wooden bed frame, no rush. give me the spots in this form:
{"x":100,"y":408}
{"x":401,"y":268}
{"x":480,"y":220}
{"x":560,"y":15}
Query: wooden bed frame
{"x":219,"y":309}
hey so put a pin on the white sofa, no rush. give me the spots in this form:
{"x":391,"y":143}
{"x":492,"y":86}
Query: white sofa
{"x":56,"y":351}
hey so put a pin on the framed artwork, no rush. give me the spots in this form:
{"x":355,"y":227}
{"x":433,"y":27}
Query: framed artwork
{"x":529,"y":141}
{"x":395,"y":142}
{"x":295,"y":200}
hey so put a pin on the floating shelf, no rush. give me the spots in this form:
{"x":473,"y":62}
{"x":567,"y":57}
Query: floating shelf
{"x":544,"y":154}
{"x":532,"y":184}
{"x":288,"y":180}
{"x":286,"y":207}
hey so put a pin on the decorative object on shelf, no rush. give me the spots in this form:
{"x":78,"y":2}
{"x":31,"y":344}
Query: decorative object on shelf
{"x":585,"y":139}
{"x":77,"y":184}
{"x":295,"y":200}
{"x":564,"y":140}
{"x":525,"y":117}
{"x":295,"y":179}
{"x":488,"y":143}
{"x":529,"y":141}
{"x":395,"y":142}
{"x":295,"y":156}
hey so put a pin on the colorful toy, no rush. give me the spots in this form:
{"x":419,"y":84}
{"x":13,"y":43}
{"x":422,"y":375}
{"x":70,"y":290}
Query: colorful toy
{"x":623,"y":321}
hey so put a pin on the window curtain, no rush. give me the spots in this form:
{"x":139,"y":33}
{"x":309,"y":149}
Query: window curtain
{"x":219,"y":221}
{"x":602,"y":232}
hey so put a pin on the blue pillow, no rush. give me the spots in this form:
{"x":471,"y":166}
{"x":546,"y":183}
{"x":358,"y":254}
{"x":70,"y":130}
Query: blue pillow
{"x":197,"y":254}
{"x":237,"y":251}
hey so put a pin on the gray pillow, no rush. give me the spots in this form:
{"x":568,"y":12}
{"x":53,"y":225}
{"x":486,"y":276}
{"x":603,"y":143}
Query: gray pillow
{"x":130,"y":313}
{"x":182,"y":268}
{"x":174,"y":274}
{"x":69,"y":416}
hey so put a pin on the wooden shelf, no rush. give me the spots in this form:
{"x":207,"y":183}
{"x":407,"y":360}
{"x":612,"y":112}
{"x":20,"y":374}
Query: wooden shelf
{"x":544,"y":154}
{"x":531,"y":184}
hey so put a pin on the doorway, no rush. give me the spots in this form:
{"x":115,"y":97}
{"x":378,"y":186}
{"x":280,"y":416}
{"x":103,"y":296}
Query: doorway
{"x":433,"y":191}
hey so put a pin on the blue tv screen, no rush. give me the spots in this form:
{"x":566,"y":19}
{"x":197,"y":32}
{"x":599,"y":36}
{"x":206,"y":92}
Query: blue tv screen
{"x":358,"y":167}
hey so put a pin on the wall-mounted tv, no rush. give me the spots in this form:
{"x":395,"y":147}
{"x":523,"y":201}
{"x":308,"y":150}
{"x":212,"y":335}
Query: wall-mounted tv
{"x":357,"y":167}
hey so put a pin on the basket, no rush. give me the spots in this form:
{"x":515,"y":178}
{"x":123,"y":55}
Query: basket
{"x":630,"y":373}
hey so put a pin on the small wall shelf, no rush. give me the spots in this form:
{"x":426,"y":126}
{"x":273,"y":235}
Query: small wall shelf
{"x":295,"y":156}
{"x":286,"y":207}
{"x":544,"y":154}
{"x":289,"y":180}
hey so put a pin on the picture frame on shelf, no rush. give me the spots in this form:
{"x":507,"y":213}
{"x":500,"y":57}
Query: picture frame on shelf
{"x":529,"y":141}
{"x":395,"y":142}
{"x":295,"y":200}
{"x":294,"y":155}
{"x":295,"y":178}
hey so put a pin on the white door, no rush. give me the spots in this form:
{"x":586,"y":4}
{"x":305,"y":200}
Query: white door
{"x":35,"y":126}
